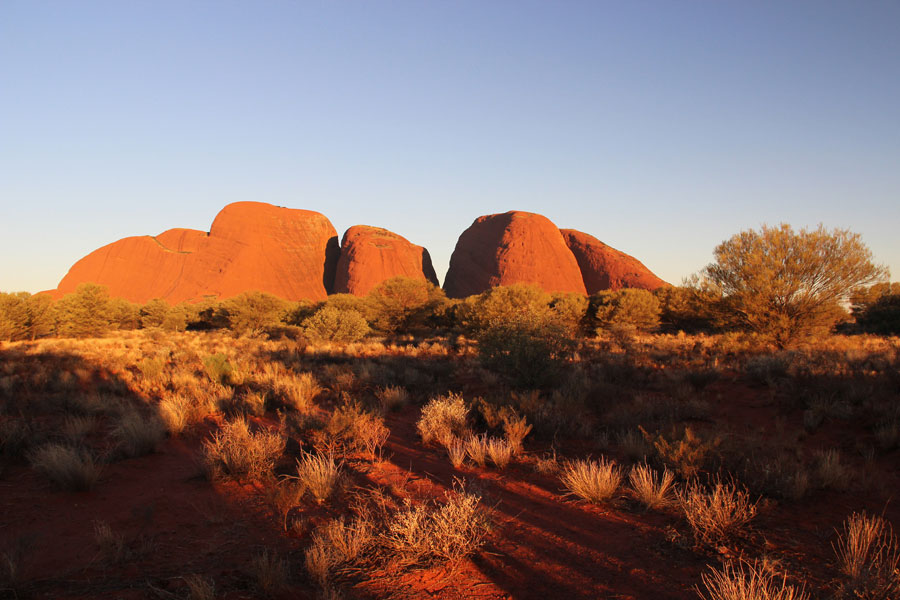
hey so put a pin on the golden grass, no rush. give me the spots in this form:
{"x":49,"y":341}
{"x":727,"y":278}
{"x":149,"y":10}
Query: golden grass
{"x":594,"y":481}
{"x":868,"y":554}
{"x":319,"y":475}
{"x":747,"y":581}
{"x":652,"y":489}
{"x":442,"y":419}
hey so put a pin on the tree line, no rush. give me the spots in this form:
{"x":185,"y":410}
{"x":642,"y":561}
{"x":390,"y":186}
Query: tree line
{"x":777,"y":283}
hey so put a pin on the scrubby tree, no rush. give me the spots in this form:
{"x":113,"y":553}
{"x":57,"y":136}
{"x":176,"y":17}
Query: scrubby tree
{"x":85,"y":312}
{"x":633,"y":309}
{"x":787,"y":284}
{"x":124,"y":314}
{"x":402,"y":303}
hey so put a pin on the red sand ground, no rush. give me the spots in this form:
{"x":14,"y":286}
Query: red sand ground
{"x":545,"y":545}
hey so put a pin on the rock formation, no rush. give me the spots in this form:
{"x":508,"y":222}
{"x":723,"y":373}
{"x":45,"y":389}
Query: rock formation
{"x":605,"y":268}
{"x":508,"y":248}
{"x":251,"y":246}
{"x":370,"y":255}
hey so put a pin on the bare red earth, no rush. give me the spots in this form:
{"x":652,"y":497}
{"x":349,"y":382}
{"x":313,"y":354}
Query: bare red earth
{"x":370,"y":255}
{"x":290,"y":253}
{"x":605,"y":268}
{"x":508,"y":248}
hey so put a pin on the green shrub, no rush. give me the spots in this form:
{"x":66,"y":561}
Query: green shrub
{"x":504,"y":305}
{"x":334,"y":325}
{"x":530,"y":356}
{"x":154,"y":313}
{"x":218,"y":369}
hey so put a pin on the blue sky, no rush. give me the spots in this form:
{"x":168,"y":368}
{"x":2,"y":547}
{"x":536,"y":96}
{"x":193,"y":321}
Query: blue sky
{"x":662,"y":128}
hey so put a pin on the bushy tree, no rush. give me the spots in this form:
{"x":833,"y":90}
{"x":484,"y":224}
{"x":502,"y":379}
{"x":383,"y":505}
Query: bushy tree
{"x":13,"y":317}
{"x":531,"y":355}
{"x":85,"y":312}
{"x":332,"y":324}
{"x":154,"y":313}
{"x":689,"y":308}
{"x":402,"y":303}
{"x":124,"y":314}
{"x":877,"y":308}
{"x":627,"y":308}
{"x":787,"y":284}
{"x":254,"y":312}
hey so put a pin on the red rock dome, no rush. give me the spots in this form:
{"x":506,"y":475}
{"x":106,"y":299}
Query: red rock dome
{"x":370,"y":255}
{"x":605,"y":268}
{"x":508,"y":248}
{"x":251,"y":246}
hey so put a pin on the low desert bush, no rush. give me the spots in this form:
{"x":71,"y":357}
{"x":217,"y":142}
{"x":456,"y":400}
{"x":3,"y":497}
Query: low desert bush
{"x":237,"y":452}
{"x":351,"y":428}
{"x":531,"y":355}
{"x":869,"y":555}
{"x":67,"y":468}
{"x":443,"y":419}
{"x":652,"y":489}
{"x":594,"y":481}
{"x":718,"y":514}
{"x":423,"y":534}
{"x":336,"y":546}
{"x":747,"y":581}
{"x":318,"y":474}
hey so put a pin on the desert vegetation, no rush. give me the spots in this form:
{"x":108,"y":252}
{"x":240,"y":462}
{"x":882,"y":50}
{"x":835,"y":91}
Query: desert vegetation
{"x":402,"y":444}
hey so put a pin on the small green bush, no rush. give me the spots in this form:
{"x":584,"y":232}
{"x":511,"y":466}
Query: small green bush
{"x":334,"y":325}
{"x":530,"y":356}
{"x":632,"y":308}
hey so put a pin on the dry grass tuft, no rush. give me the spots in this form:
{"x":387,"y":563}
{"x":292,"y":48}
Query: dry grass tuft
{"x":112,"y":545}
{"x":67,"y":468}
{"x":748,"y":581}
{"x":718,"y":514}
{"x":270,"y":572}
{"x":594,"y":481}
{"x":500,"y":451}
{"x":654,"y":490}
{"x":868,"y":554}
{"x":318,"y":474}
{"x":237,"y":452}
{"x":200,"y":588}
{"x":137,"y":434}
{"x":476,"y":449}
{"x":456,"y":450}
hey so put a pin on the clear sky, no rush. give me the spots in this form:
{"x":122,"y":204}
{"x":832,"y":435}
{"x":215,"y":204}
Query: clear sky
{"x":662,"y":128}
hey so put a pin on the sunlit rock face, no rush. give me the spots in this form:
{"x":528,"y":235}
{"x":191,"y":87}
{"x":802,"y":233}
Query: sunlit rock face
{"x":508,"y":248}
{"x":287,"y":252}
{"x":370,"y":255}
{"x":605,"y":268}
